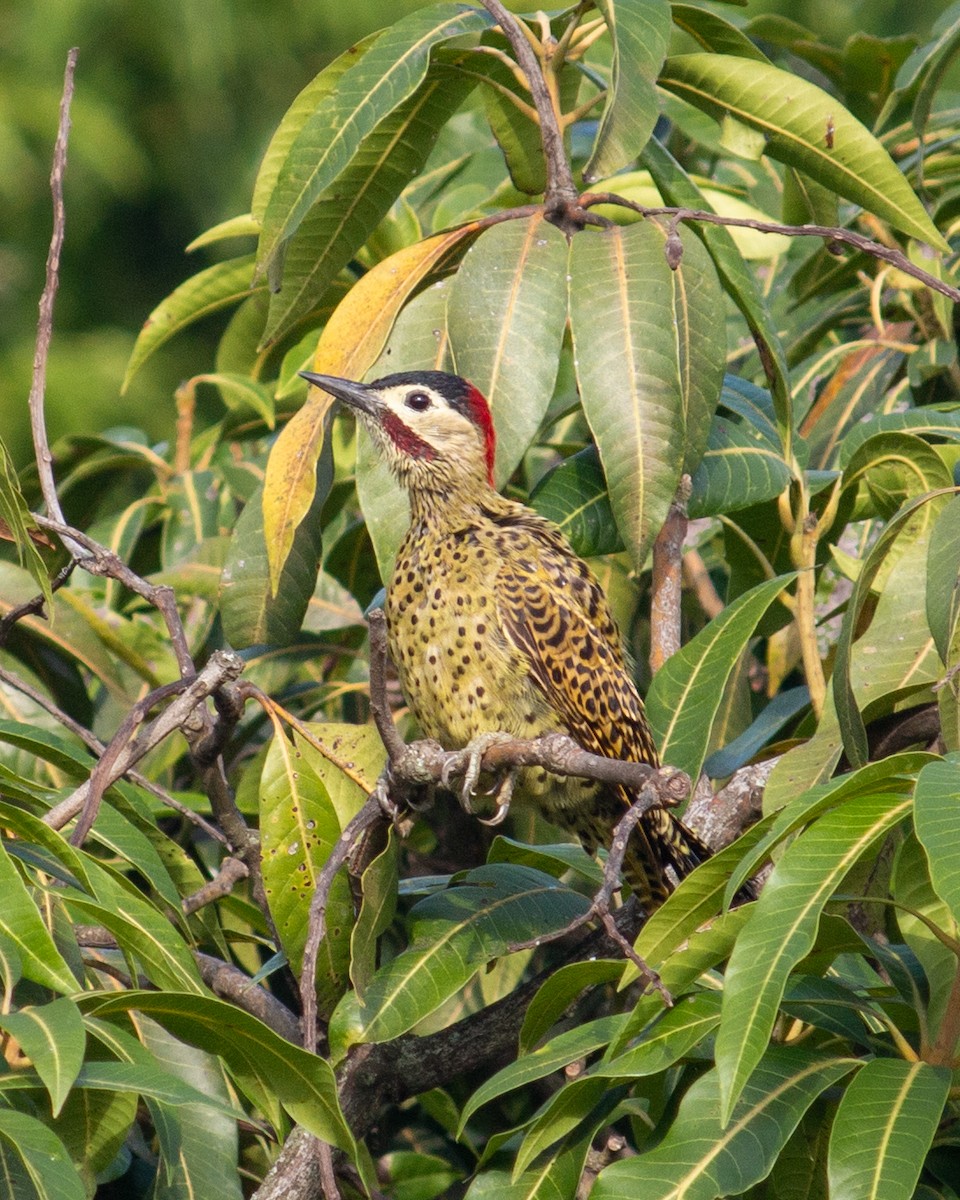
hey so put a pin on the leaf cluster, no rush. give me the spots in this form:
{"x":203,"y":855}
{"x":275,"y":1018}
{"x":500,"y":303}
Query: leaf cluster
{"x":410,"y":213}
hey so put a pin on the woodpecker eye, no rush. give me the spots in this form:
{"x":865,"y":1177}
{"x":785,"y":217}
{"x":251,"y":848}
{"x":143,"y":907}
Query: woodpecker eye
{"x":418,"y":401}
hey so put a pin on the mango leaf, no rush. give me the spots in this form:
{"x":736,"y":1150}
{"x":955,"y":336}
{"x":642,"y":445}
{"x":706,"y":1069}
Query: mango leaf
{"x":574,"y":496}
{"x":715,"y":33}
{"x":456,"y":931}
{"x":557,"y":993}
{"x":23,"y":927}
{"x":206,"y":292}
{"x":783,"y":929}
{"x":848,"y":709}
{"x":886,"y":1120}
{"x":929,"y":420}
{"x":45,"y":1160}
{"x":640,"y":31}
{"x":649,"y":356}
{"x":739,"y":467}
{"x":350,"y":208}
{"x":299,"y":828}
{"x":558,"y":1053}
{"x":303,"y":1082}
{"x":564,"y":1111}
{"x":687,"y":691}
{"x":793,"y":115}
{"x":936,"y":809}
{"x":16,"y":522}
{"x":738,"y":280}
{"x":506,"y":314}
{"x":255,"y":611}
{"x":52,"y":1037}
{"x":307,"y":101}
{"x":385,"y":76}
{"x":943,"y":578}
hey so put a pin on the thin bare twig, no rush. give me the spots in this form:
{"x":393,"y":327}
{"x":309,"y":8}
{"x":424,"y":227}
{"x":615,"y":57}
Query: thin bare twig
{"x":222,"y":667}
{"x":232,"y":870}
{"x":45,"y":322}
{"x":829,"y":233}
{"x":100,"y":560}
{"x":560,"y":198}
{"x":94,"y":743}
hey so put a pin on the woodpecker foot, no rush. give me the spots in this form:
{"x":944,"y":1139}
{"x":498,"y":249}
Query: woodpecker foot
{"x":502,"y":795}
{"x":468,"y":762}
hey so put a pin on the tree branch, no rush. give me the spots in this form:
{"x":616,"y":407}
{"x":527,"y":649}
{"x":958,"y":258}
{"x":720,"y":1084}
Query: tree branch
{"x":829,"y":233}
{"x":45,"y":321}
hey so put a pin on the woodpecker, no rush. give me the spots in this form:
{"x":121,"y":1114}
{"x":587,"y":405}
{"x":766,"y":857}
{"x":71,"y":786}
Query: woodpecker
{"x":495,"y":625}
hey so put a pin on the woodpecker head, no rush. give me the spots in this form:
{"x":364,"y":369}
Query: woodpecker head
{"x":434,"y":429}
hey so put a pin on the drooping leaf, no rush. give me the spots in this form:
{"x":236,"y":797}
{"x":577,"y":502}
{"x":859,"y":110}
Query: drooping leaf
{"x":255,"y":611}
{"x":207,"y":292}
{"x":52,"y":1037}
{"x":687,"y":690}
{"x":303,"y":1082}
{"x":702,"y":1157}
{"x":739,"y":281}
{"x":936,"y":812}
{"x":885,"y":1122}
{"x":649,"y":358}
{"x":44,"y":1157}
{"x":639,"y":31}
{"x":783,"y":929}
{"x":17,"y":523}
{"x":453,"y":934}
{"x":574,"y":496}
{"x":350,"y":208}
{"x":793,"y":115}
{"x":943,"y":578}
{"x":506,"y":313}
{"x":23,"y":927}
{"x":387,"y":73}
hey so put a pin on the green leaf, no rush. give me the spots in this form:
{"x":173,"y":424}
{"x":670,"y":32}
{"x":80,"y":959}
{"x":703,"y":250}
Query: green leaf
{"x":303,"y":1082}
{"x":714,"y":33}
{"x":15,"y":514}
{"x":299,"y":828}
{"x":640,"y":31}
{"x":378,"y":885}
{"x":929,"y":420}
{"x":23,"y":927}
{"x":848,"y":710}
{"x":687,"y":691}
{"x":506,"y":313}
{"x":53,"y":1038}
{"x":649,"y":357}
{"x":701,"y":1158}
{"x":937,"y":819}
{"x":207,"y":292}
{"x":793,"y":114}
{"x":253,"y":612}
{"x":44,"y":1157}
{"x":560,"y":990}
{"x":574,"y":496}
{"x":347,"y":212}
{"x":739,"y":468}
{"x":666,"y":1040}
{"x":388,"y":73}
{"x":307,"y":101}
{"x":739,"y":281}
{"x":558,"y":1053}
{"x":943,"y":578}
{"x":783,"y":929}
{"x":884,"y":1126}
{"x":456,"y":931}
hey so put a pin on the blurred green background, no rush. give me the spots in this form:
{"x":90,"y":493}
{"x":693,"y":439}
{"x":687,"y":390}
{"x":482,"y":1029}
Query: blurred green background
{"x":175,"y":102}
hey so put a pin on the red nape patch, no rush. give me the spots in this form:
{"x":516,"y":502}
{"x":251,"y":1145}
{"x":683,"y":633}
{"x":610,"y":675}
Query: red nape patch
{"x":404,"y":438}
{"x":480,"y":415}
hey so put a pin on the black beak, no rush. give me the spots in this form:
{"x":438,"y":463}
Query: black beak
{"x":357,"y":395}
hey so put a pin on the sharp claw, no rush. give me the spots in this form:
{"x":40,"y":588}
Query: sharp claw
{"x":498,"y":817}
